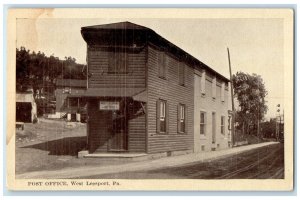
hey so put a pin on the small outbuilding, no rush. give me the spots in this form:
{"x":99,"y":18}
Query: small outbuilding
{"x":26,"y":110}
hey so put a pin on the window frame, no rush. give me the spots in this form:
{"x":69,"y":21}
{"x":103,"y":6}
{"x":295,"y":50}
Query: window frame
{"x":162,"y":116}
{"x":182,"y":118}
{"x":222,"y":130}
{"x":162,"y":65}
{"x":214,"y":88}
{"x":162,"y":108}
{"x":202,"y":83}
{"x":223,"y":92}
{"x":204,"y":124}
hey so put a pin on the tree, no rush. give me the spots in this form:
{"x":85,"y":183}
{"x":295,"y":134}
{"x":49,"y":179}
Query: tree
{"x":22,"y":63}
{"x":250,"y":92}
{"x":35,"y":70}
{"x":73,"y":70}
{"x":269,"y":128}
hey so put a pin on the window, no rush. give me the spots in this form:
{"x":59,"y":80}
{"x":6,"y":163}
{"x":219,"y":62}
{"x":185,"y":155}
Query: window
{"x":214,"y":87}
{"x":117,"y":62}
{"x":213,"y":128}
{"x":229,"y":123}
{"x":181,"y":118}
{"x":222,"y":125}
{"x":162,"y":65}
{"x":202,"y":123}
{"x":202,"y":147}
{"x":223,"y":92}
{"x":203,"y":75}
{"x":181,"y":73}
{"x":162,"y":116}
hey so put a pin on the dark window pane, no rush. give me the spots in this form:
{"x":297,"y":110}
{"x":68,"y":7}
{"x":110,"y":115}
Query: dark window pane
{"x":202,"y":118}
{"x":162,"y":125}
{"x":202,"y":129}
{"x":182,"y":126}
{"x":222,"y":124}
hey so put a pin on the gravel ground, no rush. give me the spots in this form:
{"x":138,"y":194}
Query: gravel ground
{"x":53,"y":145}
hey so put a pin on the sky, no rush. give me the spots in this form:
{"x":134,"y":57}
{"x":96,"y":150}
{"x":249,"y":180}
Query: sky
{"x":256,"y":45}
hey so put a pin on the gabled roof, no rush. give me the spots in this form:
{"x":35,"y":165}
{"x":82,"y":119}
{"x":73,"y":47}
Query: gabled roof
{"x":130,"y":31}
{"x":71,"y":83}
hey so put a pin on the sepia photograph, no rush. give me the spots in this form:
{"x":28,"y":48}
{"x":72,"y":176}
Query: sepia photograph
{"x":156,"y":99}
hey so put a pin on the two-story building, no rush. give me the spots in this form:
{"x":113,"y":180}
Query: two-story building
{"x":211,"y":112}
{"x":145,"y":94}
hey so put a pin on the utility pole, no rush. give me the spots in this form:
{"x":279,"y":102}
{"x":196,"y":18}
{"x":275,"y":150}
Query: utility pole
{"x":258,"y":123}
{"x":278,"y":125}
{"x":232,"y":102}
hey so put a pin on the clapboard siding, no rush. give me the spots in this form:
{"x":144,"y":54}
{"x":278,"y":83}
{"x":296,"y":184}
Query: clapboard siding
{"x":137,"y":134}
{"x":169,"y":89}
{"x":98,"y":60}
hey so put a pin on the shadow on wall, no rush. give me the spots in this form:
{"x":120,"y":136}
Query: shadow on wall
{"x":65,"y":146}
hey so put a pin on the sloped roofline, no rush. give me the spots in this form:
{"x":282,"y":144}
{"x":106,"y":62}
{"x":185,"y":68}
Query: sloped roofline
{"x":154,"y":38}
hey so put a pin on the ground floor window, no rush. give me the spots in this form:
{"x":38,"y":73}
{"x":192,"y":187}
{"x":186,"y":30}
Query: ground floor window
{"x":223,"y":125}
{"x":181,"y":118}
{"x":202,"y":123}
{"x":162,"y":116}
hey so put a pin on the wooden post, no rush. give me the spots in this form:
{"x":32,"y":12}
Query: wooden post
{"x":232,"y":103}
{"x":77,"y":104}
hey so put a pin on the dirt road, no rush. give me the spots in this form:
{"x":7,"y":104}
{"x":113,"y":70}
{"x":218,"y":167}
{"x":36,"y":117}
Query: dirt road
{"x":262,"y":163}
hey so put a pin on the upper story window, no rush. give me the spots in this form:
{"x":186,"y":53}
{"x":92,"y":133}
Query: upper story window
{"x":162,"y":116}
{"x":162,"y":67}
{"x":118,"y":62}
{"x":181,"y":73}
{"x":182,"y":118}
{"x":223,"y":92}
{"x":203,"y":77}
{"x":214,"y":87}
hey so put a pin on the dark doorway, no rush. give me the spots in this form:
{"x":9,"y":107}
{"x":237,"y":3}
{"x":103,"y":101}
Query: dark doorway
{"x":23,"y":112}
{"x":119,"y":134}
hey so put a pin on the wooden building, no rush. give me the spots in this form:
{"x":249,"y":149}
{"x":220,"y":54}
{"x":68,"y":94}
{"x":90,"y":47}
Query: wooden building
{"x":140,"y":91}
{"x":26,"y":109}
{"x":69,"y":99}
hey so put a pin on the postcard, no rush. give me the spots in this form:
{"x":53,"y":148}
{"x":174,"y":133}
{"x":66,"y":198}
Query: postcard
{"x":156,"y":99}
